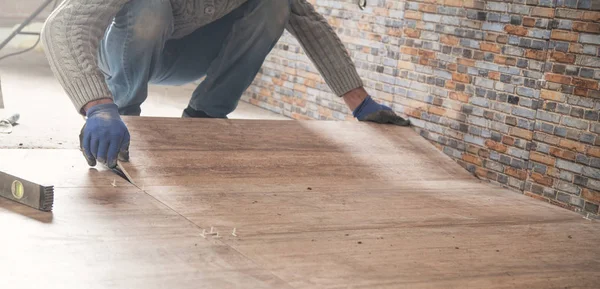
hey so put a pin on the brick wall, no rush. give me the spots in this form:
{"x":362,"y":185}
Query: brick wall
{"x":510,"y":89}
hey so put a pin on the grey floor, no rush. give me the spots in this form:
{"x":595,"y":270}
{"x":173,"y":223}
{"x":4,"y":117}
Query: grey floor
{"x":48,"y":118}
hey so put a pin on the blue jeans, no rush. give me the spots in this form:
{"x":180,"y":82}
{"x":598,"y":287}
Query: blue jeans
{"x":138,"y":49}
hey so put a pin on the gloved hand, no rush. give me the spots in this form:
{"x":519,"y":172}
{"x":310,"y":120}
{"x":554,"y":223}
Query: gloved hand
{"x":104,"y":137}
{"x":369,"y":110}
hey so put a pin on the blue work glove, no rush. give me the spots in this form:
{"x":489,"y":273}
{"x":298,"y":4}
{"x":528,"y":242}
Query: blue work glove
{"x":369,"y":110}
{"x":104,"y":137}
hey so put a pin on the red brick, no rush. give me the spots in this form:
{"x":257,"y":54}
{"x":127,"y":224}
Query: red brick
{"x":325,"y":111}
{"x":449,"y":40}
{"x":535,"y":196}
{"x":495,"y":146}
{"x":300,"y":87}
{"x":492,"y":47}
{"x":465,"y":78}
{"x":481,"y":172}
{"x":586,"y":27}
{"x":437,"y":110}
{"x":508,"y":140}
{"x":542,"y":12}
{"x":522,"y":133}
{"x":585,"y":83}
{"x":381,"y":11}
{"x":516,"y":30}
{"x":565,"y":35}
{"x":462,"y":97}
{"x":410,"y":14}
{"x":265,"y":92}
{"x":416,"y":113}
{"x":277,"y":81}
{"x":519,"y":174}
{"x":392,"y":32}
{"x":558,"y":78}
{"x":409,"y":50}
{"x":500,"y":59}
{"x":572,"y":145}
{"x":576,"y":48}
{"x":552,"y":95}
{"x":591,"y":195}
{"x":592,"y":16}
{"x":563,"y":154}
{"x":361,"y":25}
{"x":414,"y":33}
{"x":562,"y":57}
{"x":406,"y":65}
{"x":541,"y":158}
{"x":455,"y":3}
{"x":474,"y":4}
{"x":310,"y":83}
{"x":300,"y":116}
{"x":472,"y":159}
{"x":426,"y":53}
{"x":495,"y":75}
{"x":428,"y":8}
{"x":594,"y":151}
{"x":528,"y":21}
{"x":581,"y":91}
{"x":540,"y":179}
{"x":451,"y":66}
{"x":467,"y":62}
{"x":535,"y":54}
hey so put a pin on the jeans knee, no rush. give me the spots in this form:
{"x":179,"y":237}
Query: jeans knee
{"x":147,"y":20}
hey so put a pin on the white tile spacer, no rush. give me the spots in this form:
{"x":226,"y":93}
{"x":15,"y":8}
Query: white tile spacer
{"x":217,"y":236}
{"x":114,"y":183}
{"x":233,"y":233}
{"x":203,"y":235}
{"x":212,"y":232}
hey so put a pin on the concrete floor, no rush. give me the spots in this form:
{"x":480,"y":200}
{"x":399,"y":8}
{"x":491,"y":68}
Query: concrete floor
{"x":48,"y":118}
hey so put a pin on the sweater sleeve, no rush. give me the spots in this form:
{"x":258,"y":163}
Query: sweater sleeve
{"x":71,"y":36}
{"x":323,"y":47}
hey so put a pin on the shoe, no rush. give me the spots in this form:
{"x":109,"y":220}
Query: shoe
{"x":192,"y":113}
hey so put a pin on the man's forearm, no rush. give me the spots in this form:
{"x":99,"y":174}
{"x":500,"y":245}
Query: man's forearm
{"x":70,"y":36}
{"x":323,"y":46}
{"x":94,"y":103}
{"x":355,"y":97}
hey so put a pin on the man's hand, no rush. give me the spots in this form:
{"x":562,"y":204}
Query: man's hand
{"x":104,"y":137}
{"x":364,"y":108}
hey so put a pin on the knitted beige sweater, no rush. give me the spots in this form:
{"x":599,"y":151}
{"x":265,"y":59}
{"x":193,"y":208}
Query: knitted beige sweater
{"x":72,"y":33}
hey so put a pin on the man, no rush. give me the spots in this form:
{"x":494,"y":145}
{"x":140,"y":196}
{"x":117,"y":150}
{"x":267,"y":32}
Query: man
{"x":105,"y":52}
